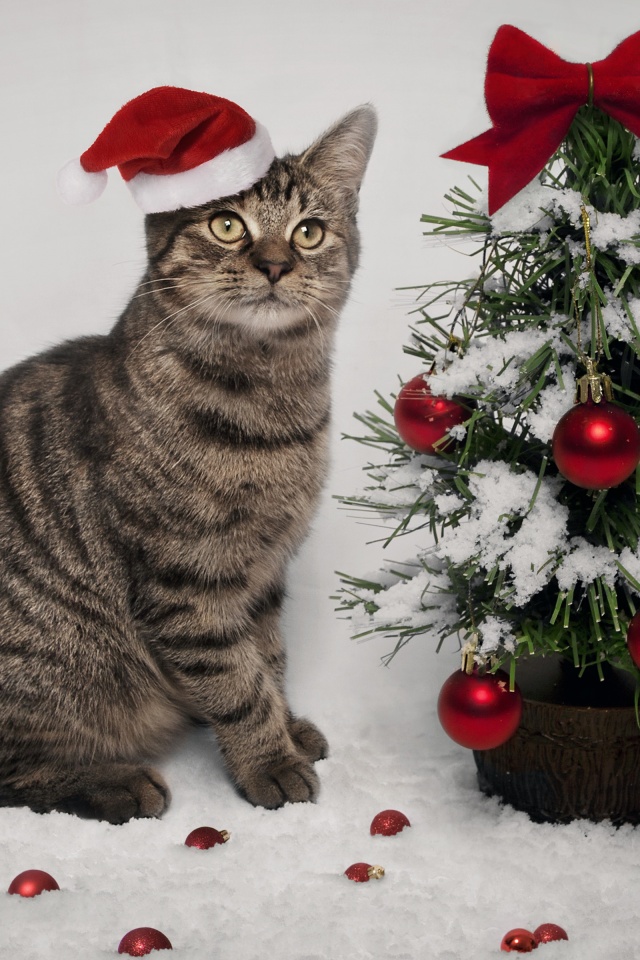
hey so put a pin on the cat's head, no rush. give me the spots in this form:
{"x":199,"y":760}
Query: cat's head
{"x":278,"y":255}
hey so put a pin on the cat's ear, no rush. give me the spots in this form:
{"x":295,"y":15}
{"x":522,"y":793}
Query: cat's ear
{"x":342,"y":153}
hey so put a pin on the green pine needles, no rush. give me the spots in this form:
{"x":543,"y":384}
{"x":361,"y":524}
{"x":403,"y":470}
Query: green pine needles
{"x":512,"y":558}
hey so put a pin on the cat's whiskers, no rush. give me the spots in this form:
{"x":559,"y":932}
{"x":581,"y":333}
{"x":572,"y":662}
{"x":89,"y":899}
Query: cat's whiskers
{"x":162,"y":280}
{"x":172,"y":317}
{"x":145,"y":283}
{"x":217,"y":318}
{"x":156,"y":290}
{"x":323,"y":304}
{"x":312,"y":316}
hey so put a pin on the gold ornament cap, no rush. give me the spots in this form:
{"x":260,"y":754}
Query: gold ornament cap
{"x":593,"y":385}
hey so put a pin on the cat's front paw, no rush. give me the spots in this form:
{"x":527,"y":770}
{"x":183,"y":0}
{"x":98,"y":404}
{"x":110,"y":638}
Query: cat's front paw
{"x":308,"y":738}
{"x":288,"y":780}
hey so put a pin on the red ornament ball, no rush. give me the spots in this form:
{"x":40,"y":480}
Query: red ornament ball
{"x":596,"y":445}
{"x":547,"y":932}
{"x":518,"y":941}
{"x":363,"y":872}
{"x":388,"y":823}
{"x":422,"y":419}
{"x":633,"y":639}
{"x":479,"y":711}
{"x":142,"y":940}
{"x":205,"y":837}
{"x":30,"y":883}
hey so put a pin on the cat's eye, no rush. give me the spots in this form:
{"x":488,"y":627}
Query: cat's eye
{"x":227,"y":227}
{"x":308,"y":234}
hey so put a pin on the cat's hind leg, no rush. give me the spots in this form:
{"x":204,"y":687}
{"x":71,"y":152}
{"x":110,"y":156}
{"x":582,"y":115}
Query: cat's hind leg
{"x":82,"y":710}
{"x":115,"y":792}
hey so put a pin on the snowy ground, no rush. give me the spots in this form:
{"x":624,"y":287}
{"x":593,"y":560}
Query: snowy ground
{"x":467,"y":870}
{"x":463,"y":874}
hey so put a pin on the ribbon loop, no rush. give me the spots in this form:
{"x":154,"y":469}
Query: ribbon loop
{"x":532,"y":96}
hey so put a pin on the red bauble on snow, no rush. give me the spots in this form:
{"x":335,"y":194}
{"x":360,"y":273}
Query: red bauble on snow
{"x":479,"y":711}
{"x":547,"y":932}
{"x":422,"y":419}
{"x":633,"y":639}
{"x":142,"y":940}
{"x":596,"y":445}
{"x":363,"y":872}
{"x":205,"y":837}
{"x":518,"y":941}
{"x":30,"y":883}
{"x":388,"y":822}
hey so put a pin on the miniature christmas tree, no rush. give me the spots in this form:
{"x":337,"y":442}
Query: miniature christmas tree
{"x":520,"y":448}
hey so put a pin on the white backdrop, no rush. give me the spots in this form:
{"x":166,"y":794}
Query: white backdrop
{"x":66,"y":67}
{"x":296,"y":66}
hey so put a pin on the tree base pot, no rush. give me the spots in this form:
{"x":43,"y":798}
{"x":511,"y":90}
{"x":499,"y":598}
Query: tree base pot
{"x":569,"y":759}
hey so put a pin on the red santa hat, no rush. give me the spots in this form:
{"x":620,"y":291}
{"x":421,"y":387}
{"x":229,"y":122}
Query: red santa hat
{"x":174,"y":148}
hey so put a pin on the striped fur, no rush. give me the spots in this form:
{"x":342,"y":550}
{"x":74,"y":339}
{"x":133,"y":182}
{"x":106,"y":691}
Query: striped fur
{"x":154,"y":484}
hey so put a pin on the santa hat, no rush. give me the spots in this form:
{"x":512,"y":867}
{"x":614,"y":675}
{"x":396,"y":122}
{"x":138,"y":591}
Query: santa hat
{"x":174,"y":148}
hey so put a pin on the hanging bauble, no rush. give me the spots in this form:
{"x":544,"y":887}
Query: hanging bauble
{"x":518,"y":941}
{"x":633,"y":639}
{"x":205,"y":837}
{"x":388,"y":822}
{"x":363,"y":872}
{"x":547,"y":932}
{"x":30,"y":883}
{"x":596,"y":445}
{"x":142,"y":940}
{"x":422,"y":419}
{"x":479,"y":711}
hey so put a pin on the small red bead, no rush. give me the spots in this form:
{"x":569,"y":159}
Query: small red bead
{"x":547,"y":932}
{"x":30,"y":883}
{"x":363,"y":872}
{"x":388,"y":822}
{"x":204,"y":837}
{"x":518,"y":941}
{"x":142,"y":940}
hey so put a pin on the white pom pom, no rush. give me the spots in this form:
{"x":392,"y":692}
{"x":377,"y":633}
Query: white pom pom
{"x":75,"y":185}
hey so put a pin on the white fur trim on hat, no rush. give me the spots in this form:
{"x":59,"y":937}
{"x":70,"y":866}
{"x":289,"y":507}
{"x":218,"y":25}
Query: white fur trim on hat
{"x":228,"y":173}
{"x":75,"y":185}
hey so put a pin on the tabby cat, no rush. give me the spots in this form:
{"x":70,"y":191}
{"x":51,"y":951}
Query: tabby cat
{"x":154,"y":484}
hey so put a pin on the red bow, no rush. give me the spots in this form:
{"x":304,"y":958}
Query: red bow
{"x":533,"y":95}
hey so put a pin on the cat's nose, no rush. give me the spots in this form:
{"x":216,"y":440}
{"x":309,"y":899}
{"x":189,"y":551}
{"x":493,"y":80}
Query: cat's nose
{"x":273,"y":271}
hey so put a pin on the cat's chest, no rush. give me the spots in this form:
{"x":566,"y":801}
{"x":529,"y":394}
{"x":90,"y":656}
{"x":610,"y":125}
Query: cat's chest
{"x":258,"y":485}
{"x":237,"y":467}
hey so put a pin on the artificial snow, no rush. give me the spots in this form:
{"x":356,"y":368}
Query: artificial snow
{"x":494,"y":363}
{"x":465,"y":872}
{"x":585,"y":562}
{"x":553,"y":402}
{"x":630,"y":561}
{"x":619,"y":323}
{"x":497,"y":635}
{"x":448,"y":503}
{"x":400,"y":485}
{"x":535,"y":207}
{"x":610,"y":230}
{"x":500,"y":496}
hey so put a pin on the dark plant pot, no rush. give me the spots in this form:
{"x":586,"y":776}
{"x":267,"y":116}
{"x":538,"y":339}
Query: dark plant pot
{"x":576,"y":753}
